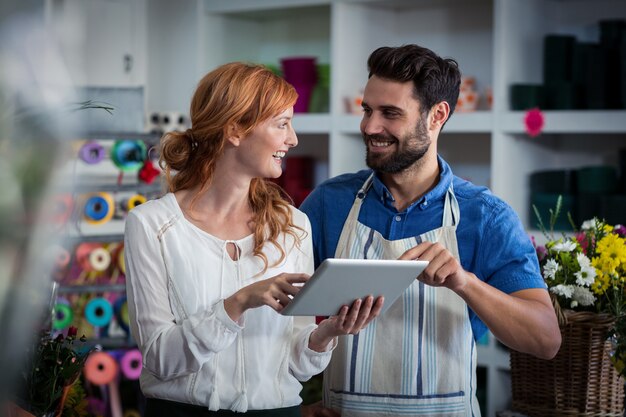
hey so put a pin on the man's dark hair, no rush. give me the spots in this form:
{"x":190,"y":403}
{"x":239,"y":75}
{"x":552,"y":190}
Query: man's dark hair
{"x":435,"y":79}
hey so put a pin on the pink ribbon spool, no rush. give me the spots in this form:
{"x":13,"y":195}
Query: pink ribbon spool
{"x":100,"y":368}
{"x":131,"y":364}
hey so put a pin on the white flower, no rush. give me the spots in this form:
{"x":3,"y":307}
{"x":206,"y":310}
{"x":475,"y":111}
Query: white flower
{"x":589,"y":224}
{"x":583,"y":261}
{"x":573,"y":304}
{"x":583,"y":296}
{"x":550,"y":269}
{"x":566,"y":246}
{"x":563,"y":290}
{"x":586,"y":276}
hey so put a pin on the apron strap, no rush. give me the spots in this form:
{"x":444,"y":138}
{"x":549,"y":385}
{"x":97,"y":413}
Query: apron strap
{"x":451,"y":212}
{"x":360,"y":195}
{"x":353,"y":216}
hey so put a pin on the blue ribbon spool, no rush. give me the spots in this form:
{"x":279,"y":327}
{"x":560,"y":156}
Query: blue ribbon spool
{"x":121,"y":313}
{"x":99,"y":312}
{"x":99,"y":208}
{"x":129,"y":155}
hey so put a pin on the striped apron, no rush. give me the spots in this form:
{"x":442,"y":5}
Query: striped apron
{"x":419,"y":358}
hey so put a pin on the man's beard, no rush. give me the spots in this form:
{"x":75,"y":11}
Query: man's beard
{"x":411,"y":148}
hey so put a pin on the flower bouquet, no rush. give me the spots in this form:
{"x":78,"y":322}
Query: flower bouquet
{"x":586,"y":276}
{"x":52,"y":378}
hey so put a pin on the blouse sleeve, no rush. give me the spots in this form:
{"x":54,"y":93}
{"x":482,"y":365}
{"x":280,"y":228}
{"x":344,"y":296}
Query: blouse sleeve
{"x":170,"y":348}
{"x":305,"y":362}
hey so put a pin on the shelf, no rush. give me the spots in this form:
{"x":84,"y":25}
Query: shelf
{"x":147,"y":137}
{"x":311,"y":123}
{"x":109,"y":238}
{"x":254,"y":6}
{"x":84,"y":289}
{"x":112,"y":342}
{"x":571,"y":121}
{"x":91,"y":232}
{"x":474,"y":122}
{"x":140,"y":188}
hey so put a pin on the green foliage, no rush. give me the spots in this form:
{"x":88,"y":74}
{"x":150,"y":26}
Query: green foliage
{"x":76,"y":402}
{"x":55,"y":364}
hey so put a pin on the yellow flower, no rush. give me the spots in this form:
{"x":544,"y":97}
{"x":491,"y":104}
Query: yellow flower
{"x":612,"y":251}
{"x":601,"y":283}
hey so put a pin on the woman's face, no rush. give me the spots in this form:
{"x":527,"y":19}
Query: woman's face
{"x":261,"y":153}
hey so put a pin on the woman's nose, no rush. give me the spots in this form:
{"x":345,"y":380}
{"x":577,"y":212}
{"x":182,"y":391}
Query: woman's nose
{"x":292,"y":139}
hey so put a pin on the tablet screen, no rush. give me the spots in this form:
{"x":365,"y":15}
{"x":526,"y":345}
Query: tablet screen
{"x":338,"y":282}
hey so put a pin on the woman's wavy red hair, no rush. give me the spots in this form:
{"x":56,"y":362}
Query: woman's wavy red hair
{"x":235,"y":94}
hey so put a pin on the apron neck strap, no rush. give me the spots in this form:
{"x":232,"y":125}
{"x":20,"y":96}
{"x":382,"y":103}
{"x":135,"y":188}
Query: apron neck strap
{"x":450,"y":209}
{"x":451,"y":212}
{"x":360,"y":195}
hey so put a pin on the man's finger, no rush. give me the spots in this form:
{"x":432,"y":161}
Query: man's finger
{"x":415,"y":252}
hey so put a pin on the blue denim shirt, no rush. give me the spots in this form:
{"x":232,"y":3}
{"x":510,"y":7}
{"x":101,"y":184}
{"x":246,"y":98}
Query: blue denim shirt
{"x":492,"y":241}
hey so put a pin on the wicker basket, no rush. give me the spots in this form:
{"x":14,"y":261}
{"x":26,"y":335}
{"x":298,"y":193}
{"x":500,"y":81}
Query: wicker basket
{"x":579,"y":381}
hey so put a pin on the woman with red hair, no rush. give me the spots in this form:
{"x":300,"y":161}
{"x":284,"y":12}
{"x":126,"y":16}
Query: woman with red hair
{"x":212,"y":263}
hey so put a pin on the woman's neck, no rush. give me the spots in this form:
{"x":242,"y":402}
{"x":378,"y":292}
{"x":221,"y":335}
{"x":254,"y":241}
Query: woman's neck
{"x":222,"y":210}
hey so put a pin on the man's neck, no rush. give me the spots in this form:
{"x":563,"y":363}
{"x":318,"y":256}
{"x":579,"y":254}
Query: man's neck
{"x":410,"y":185}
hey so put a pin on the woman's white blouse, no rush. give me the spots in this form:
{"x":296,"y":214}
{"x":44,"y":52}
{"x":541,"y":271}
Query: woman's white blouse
{"x":177,"y":277}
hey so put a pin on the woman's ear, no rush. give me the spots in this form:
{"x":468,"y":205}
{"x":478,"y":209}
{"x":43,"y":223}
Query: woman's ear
{"x":233,"y":134}
{"x":439,"y":113}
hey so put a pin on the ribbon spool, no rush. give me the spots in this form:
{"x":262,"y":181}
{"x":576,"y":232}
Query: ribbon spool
{"x":100,"y":368}
{"x":129,"y":155}
{"x":83,"y":255}
{"x":98,"y":312}
{"x":120,"y":307}
{"x":62,"y":316}
{"x":131,"y":413}
{"x":91,"y":153}
{"x":99,"y":259}
{"x":133,"y":202}
{"x":99,"y":208}
{"x":131,"y":364}
{"x":62,"y":207}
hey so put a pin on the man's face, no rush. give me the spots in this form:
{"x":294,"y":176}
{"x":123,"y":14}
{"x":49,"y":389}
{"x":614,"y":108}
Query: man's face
{"x":395,"y":133}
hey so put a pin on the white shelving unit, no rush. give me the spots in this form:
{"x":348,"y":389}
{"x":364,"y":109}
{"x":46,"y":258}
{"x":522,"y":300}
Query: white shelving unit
{"x":498,"y":42}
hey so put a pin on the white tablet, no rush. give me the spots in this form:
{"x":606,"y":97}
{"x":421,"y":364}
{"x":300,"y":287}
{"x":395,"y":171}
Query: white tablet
{"x":338,"y":282}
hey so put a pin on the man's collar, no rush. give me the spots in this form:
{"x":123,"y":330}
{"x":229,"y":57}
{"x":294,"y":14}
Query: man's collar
{"x":445,"y":178}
